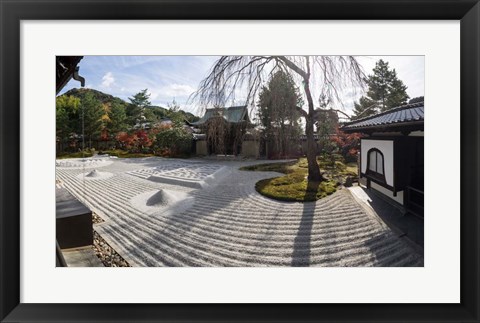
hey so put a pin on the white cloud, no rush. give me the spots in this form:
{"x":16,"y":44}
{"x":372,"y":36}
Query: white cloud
{"x":177,"y":90}
{"x":108,"y":79}
{"x":176,"y":77}
{"x":153,"y":95}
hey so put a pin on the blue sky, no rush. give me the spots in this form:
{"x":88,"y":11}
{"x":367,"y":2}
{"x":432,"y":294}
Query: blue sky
{"x":176,"y":77}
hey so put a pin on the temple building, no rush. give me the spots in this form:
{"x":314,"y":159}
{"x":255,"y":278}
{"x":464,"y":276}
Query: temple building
{"x":392,"y":154}
{"x":224,"y":132}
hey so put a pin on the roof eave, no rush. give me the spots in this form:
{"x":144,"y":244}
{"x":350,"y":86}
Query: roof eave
{"x":393,"y":127}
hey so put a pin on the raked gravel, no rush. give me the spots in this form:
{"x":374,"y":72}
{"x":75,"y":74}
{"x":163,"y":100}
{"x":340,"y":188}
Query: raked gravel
{"x":227,"y":223}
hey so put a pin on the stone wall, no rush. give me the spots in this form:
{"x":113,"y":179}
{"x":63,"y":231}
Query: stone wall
{"x":201,"y":148}
{"x":250,"y":148}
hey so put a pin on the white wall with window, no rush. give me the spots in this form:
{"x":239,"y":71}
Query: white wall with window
{"x":380,"y":164}
{"x":375,"y":164}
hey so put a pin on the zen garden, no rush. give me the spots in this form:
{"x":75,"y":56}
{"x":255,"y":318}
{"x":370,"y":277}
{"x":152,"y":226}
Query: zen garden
{"x":239,"y":161}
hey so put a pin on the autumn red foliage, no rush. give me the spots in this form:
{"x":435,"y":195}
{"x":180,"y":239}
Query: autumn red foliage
{"x":138,"y":141}
{"x":348,"y":144}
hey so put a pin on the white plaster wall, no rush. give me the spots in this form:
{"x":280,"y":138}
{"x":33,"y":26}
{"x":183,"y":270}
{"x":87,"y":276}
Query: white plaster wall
{"x":386,"y":147}
{"x":387,"y":192}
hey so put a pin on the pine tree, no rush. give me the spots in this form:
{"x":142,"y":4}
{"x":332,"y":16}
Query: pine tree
{"x":174,"y":114}
{"x":416,"y":100}
{"x":398,"y":94}
{"x":118,"y":118}
{"x":364,"y":108}
{"x":91,"y":112}
{"x":385,"y":91}
{"x":136,"y":108}
{"x":326,"y":120}
{"x":379,"y":84}
{"x":277,"y":110}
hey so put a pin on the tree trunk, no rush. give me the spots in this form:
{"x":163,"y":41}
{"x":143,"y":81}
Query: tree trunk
{"x":282,"y":139}
{"x":313,"y":169}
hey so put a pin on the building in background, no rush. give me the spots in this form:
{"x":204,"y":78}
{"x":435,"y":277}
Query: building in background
{"x":224,"y":130}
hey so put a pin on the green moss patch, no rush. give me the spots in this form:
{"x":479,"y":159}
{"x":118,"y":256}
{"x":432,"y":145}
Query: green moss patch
{"x":294,"y":188}
{"x":285,"y":168}
{"x":294,"y":185}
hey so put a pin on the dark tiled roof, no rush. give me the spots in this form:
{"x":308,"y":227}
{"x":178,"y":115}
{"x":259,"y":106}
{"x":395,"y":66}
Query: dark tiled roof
{"x":232,"y":114}
{"x":406,"y":115}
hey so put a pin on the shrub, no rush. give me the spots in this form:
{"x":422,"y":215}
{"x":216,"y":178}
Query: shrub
{"x":124,"y":139}
{"x":174,"y":141}
{"x":143,"y":141}
{"x":348,"y":144}
{"x":138,"y":142}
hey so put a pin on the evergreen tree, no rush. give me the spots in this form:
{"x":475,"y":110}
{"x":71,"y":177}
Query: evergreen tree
{"x":174,"y":114}
{"x":136,"y":109}
{"x":149,"y":116}
{"x":105,"y":119}
{"x":174,"y":106}
{"x":118,"y":118}
{"x":326,"y":119}
{"x":364,"y":108}
{"x":385,"y":91}
{"x":416,"y":100}
{"x":90,"y":113}
{"x":398,"y":94}
{"x":379,"y":84}
{"x":277,"y":110}
{"x":67,"y":116}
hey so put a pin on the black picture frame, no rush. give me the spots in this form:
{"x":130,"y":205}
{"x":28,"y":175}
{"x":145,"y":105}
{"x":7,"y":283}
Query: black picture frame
{"x":12,"y":12}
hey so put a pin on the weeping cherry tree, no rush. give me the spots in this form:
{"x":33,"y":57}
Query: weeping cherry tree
{"x":247,"y":74}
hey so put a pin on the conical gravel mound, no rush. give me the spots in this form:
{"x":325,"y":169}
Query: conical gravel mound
{"x":162,"y":201}
{"x":93,"y":173}
{"x":161,"y":198}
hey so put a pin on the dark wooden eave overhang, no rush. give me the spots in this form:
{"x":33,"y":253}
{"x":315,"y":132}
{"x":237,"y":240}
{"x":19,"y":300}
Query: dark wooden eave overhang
{"x":404,"y":119}
{"x":66,"y":68}
{"x":404,"y":127}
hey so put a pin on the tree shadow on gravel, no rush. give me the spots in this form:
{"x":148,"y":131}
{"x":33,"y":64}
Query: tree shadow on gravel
{"x":302,"y":242}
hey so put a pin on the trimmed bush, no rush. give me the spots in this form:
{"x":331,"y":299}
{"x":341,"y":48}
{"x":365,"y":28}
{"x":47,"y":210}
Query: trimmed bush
{"x":175,"y":141}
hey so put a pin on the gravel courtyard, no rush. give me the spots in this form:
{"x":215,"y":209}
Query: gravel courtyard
{"x":196,"y":212}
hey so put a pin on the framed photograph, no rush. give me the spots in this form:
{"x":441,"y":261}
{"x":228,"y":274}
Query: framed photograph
{"x":248,"y":161}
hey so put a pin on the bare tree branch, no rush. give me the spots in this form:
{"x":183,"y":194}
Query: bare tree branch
{"x":247,"y":74}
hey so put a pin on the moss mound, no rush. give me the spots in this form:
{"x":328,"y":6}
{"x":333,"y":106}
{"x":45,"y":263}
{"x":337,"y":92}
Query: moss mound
{"x":293,"y":188}
{"x":294,"y":185}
